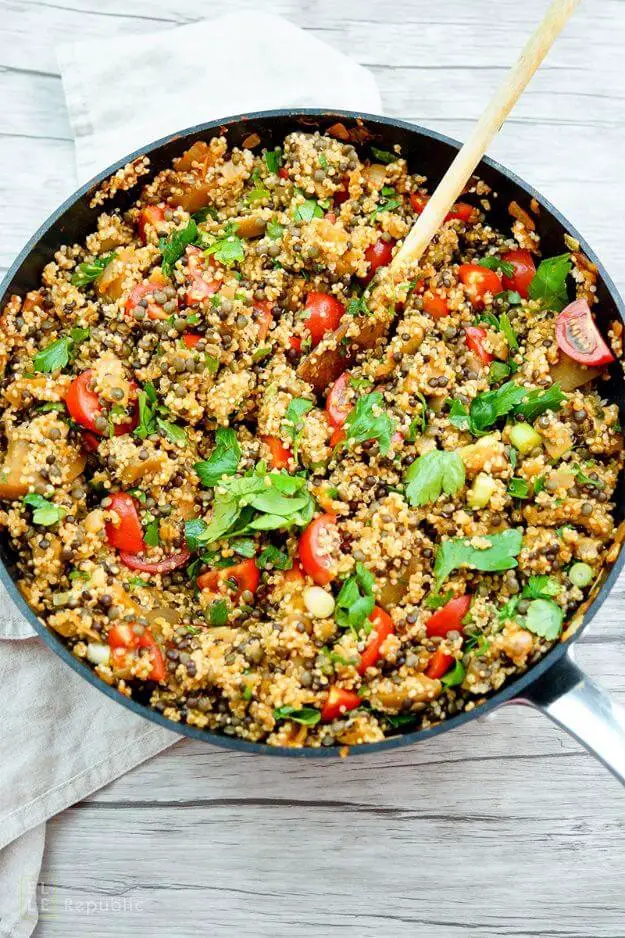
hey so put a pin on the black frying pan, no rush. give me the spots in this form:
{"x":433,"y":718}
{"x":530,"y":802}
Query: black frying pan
{"x":555,"y":685}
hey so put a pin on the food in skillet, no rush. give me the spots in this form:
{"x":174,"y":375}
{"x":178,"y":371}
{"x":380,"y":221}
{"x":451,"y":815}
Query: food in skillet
{"x":283,"y":501}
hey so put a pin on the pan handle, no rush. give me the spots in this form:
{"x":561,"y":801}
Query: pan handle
{"x":572,"y":700}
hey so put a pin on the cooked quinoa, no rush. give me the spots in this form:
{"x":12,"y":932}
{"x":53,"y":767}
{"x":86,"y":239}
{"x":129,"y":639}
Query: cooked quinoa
{"x":281,"y":500}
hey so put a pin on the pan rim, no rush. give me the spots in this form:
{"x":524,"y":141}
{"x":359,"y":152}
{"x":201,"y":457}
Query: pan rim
{"x":510,"y":691}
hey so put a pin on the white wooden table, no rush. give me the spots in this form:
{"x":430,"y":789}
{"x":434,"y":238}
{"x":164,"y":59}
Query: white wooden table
{"x":504,"y":828}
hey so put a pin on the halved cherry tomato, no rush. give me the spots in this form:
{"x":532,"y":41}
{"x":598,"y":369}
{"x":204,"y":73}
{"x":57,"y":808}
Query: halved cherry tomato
{"x":141,"y":290}
{"x":150,"y":215}
{"x":379,"y":254}
{"x":383,"y":625}
{"x":280,"y":455}
{"x":166,"y":565}
{"x":199,"y":288}
{"x":339,"y":701}
{"x":524,"y":270}
{"x":316,"y":561}
{"x":264,"y":317}
{"x":246,"y":575}
{"x":461,"y":210}
{"x":479,"y":280}
{"x":338,"y":436}
{"x":128,"y":534}
{"x":439,"y":664}
{"x":342,"y":195}
{"x":283,"y":172}
{"x":475,"y":337}
{"x":295,"y":342}
{"x":449,"y":617}
{"x":435,"y":305}
{"x":84,"y":406}
{"x":578,"y":336}
{"x":323,"y":314}
{"x":337,"y":402}
{"x":191,"y":339}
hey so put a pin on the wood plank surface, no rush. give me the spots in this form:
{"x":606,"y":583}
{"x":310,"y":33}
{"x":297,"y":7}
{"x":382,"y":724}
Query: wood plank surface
{"x":504,"y":828}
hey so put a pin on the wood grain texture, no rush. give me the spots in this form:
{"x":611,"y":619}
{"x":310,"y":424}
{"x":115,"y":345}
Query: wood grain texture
{"x":504,"y":828}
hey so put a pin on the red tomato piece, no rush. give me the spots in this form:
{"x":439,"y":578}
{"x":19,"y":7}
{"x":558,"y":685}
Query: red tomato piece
{"x":246,"y":575}
{"x":339,"y":701}
{"x":342,"y":195}
{"x":524,"y":270}
{"x":323,"y":314}
{"x":435,"y":305}
{"x":379,"y":254}
{"x":475,"y":337}
{"x":145,"y":289}
{"x":295,"y":342}
{"x":338,"y":405}
{"x":316,"y":561}
{"x":84,"y":406}
{"x":280,"y":454}
{"x":166,"y":565}
{"x":191,"y":339}
{"x":479,"y":280}
{"x":461,"y":210}
{"x":337,"y":436}
{"x":128,"y":534}
{"x":82,"y":403}
{"x":148,"y":641}
{"x":283,"y":172}
{"x":578,"y":336}
{"x":439,"y":664}
{"x":264,"y":317}
{"x":449,"y":617}
{"x":90,"y":442}
{"x":150,"y":215}
{"x":123,"y":636}
{"x":199,"y":288}
{"x":383,"y":625}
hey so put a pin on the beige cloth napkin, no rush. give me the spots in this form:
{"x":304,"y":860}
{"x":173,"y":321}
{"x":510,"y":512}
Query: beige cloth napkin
{"x":61,"y":738}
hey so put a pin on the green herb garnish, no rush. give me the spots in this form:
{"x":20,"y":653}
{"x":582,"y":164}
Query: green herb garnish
{"x":500,"y":554}
{"x":384,"y":156}
{"x":173,"y":247}
{"x":45,"y":512}
{"x":429,"y":475}
{"x":89,"y":271}
{"x":549,"y":282}
{"x":307,"y":716}
{"x":369,"y":421}
{"x":224,"y":459}
{"x":355,"y":601}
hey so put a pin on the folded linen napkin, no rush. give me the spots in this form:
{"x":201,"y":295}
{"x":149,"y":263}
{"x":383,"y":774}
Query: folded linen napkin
{"x":62,"y":739}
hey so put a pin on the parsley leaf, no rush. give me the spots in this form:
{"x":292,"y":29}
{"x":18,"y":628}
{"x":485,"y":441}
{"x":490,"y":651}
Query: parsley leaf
{"x":437,"y":600}
{"x":369,"y":421}
{"x":218,"y":612}
{"x":45,"y":512}
{"x":495,"y":263}
{"x":57,"y":355}
{"x":498,"y":372}
{"x":384,"y":156}
{"x":207,"y":212}
{"x":518,"y":488}
{"x":172,"y":431}
{"x":357,"y":306}
{"x":458,"y":552}
{"x":173,"y":247}
{"x":434,"y":472}
{"x":505,"y":327}
{"x":544,"y":618}
{"x":355,"y":602}
{"x":386,"y":205}
{"x":537,"y":402}
{"x":541,"y":587}
{"x":549,"y":282}
{"x":89,"y":271}
{"x":455,"y":676}
{"x":273,"y":159}
{"x":293,"y":419}
{"x":195,"y":533}
{"x":228,"y":250}
{"x":307,"y":716}
{"x":151,"y":535}
{"x":307,"y":210}
{"x":224,"y":459}
{"x":273,"y":558}
{"x":274,"y":230}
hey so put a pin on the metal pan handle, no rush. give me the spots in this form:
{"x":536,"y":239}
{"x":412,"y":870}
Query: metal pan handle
{"x":572,"y":700}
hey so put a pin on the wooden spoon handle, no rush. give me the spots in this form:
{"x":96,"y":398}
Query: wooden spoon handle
{"x":460,"y":171}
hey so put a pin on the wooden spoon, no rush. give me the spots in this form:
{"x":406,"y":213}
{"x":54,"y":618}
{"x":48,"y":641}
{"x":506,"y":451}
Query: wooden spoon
{"x":460,"y":171}
{"x":336,"y":353}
